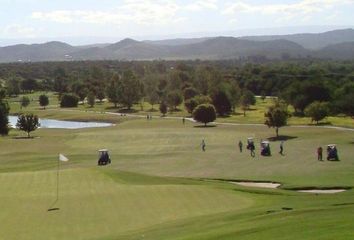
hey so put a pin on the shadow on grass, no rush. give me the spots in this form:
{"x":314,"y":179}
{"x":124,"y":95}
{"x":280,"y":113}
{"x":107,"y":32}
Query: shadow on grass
{"x":128,"y":111}
{"x":281,"y":138}
{"x":24,"y":138}
{"x":203,"y":126}
{"x":321,"y":124}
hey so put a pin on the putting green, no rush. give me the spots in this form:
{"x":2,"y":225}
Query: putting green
{"x":94,"y":205}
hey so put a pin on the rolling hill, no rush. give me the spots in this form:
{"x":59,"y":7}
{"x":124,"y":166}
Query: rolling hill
{"x":334,"y":45}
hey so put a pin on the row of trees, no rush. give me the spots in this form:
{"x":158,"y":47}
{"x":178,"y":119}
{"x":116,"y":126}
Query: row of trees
{"x":225,"y":84}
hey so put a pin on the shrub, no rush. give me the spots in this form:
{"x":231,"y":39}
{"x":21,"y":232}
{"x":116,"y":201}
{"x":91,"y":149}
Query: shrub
{"x":204,"y":113}
{"x":43,"y":101}
{"x":69,"y":100}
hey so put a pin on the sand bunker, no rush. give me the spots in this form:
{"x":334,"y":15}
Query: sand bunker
{"x":327,"y":191}
{"x":258,"y":184}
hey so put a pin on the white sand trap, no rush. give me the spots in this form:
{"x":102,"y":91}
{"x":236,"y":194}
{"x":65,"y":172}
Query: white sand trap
{"x":329,"y":191}
{"x":258,"y":184}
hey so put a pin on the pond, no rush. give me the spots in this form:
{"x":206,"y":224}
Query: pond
{"x":58,"y":124}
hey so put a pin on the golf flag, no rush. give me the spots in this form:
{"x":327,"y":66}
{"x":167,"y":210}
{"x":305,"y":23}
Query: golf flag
{"x":63,"y":158}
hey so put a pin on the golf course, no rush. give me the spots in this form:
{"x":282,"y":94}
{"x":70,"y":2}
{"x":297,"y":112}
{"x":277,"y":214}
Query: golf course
{"x":161,"y":185}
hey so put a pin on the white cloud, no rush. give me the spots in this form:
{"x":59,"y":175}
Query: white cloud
{"x":288,"y":11}
{"x":142,"y":12}
{"x":16,"y":30}
{"x":201,"y":5}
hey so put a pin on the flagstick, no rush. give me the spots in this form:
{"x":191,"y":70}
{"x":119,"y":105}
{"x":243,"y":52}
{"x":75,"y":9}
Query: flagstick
{"x":58,"y":181}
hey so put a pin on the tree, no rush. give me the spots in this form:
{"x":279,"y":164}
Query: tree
{"x":100,"y":95}
{"x":344,"y":100}
{"x":91,"y":99}
{"x":131,"y":89}
{"x":247,"y":99}
{"x":277,"y":116}
{"x":29,"y":85}
{"x":221,"y":102}
{"x":189,"y":93}
{"x":27,"y":123}
{"x":43,"y":101}
{"x":114,"y":90}
{"x":4,"y":114}
{"x":191,"y":104}
{"x":234,"y":96}
{"x":69,"y":100}
{"x":24,"y":101}
{"x":204,"y":113}
{"x":174,"y":99}
{"x":317,"y":111}
{"x":13,"y":86}
{"x":163,"y":108}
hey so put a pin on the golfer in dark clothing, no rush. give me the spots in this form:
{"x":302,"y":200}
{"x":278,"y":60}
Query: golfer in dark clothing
{"x":183,"y":120}
{"x":319,"y":153}
{"x":240,"y":145}
{"x":203,"y":145}
{"x":281,"y":147}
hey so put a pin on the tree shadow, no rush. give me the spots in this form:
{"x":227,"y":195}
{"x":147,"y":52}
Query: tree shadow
{"x":203,"y":126}
{"x":152,"y":110}
{"x":321,"y":124}
{"x":24,"y":138}
{"x":281,"y":138}
{"x":128,"y":111}
{"x":112,"y":108}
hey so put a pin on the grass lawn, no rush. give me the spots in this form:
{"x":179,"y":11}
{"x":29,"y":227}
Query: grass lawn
{"x":254,"y":115}
{"x":160,"y":184}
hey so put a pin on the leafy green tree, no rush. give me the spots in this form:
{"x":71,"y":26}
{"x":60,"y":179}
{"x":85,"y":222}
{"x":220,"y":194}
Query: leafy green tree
{"x":189,"y":93}
{"x":277,"y":116}
{"x":43,"y":101}
{"x":4,"y":114}
{"x":69,"y":101}
{"x":91,"y":99}
{"x":317,"y":111}
{"x":60,"y":81}
{"x":29,"y":85}
{"x":344,"y":100}
{"x":247,"y":99}
{"x":100,"y":94}
{"x":132,"y":89}
{"x":174,"y":99}
{"x":221,"y":102}
{"x":234,"y":96}
{"x":191,"y":104}
{"x":204,"y":113}
{"x":114,"y":90}
{"x":24,"y":102}
{"x":163,"y":108}
{"x":13,"y":86}
{"x":27,"y":123}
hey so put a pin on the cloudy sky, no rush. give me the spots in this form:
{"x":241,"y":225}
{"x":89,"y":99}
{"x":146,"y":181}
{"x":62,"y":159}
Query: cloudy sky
{"x":134,"y":18}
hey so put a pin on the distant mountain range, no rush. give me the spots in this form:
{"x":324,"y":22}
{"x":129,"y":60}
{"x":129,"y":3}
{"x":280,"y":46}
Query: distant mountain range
{"x":338,"y":44}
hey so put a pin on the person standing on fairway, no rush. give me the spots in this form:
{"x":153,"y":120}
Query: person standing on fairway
{"x":183,"y":120}
{"x":240,"y":146}
{"x":203,"y":145}
{"x":281,"y":147}
{"x":319,"y":153}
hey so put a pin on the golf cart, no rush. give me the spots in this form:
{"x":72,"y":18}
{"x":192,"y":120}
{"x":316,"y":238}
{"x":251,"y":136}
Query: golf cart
{"x":103,"y":157}
{"x":265,"y":148}
{"x":332,"y":153}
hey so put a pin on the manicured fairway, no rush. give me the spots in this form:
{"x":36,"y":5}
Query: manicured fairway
{"x":160,"y":185}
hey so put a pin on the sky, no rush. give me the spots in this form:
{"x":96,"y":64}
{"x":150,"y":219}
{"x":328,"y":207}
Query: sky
{"x":31,"y":20}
